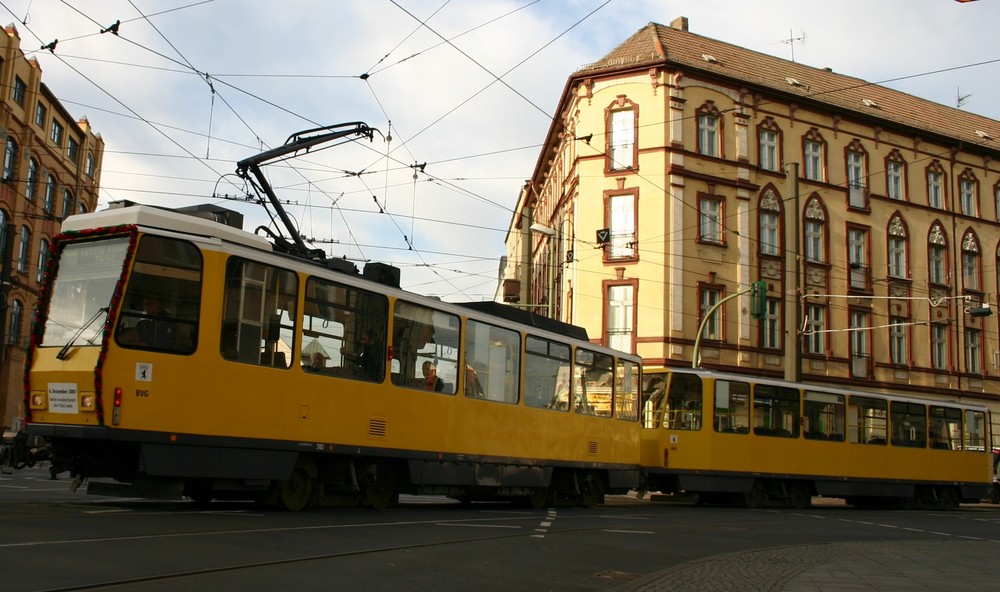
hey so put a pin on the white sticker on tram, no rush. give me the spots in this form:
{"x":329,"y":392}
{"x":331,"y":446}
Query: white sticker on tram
{"x":143,"y":372}
{"x":62,"y":397}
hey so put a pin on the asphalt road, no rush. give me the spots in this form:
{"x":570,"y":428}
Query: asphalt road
{"x":52,"y":539}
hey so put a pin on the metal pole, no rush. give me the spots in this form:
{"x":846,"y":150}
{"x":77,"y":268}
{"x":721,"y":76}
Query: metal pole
{"x":798,"y":275}
{"x":696,"y":356}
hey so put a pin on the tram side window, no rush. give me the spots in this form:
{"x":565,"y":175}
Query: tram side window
{"x":775,"y":411}
{"x":258,"y":314}
{"x":732,"y":407}
{"x":684,"y":402}
{"x":909,"y":424}
{"x":546,"y":374}
{"x":492,"y":362}
{"x":975,"y":428}
{"x":654,"y":392}
{"x":343,"y":331}
{"x":944,"y":428}
{"x":867,"y":420}
{"x":627,"y":391}
{"x":424,"y":348}
{"x":823,"y":416}
{"x":592,"y":383}
{"x":163,"y":298}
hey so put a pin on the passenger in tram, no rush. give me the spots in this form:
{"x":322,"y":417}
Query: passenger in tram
{"x":152,"y":331}
{"x":473,"y":388}
{"x":317,"y":363}
{"x":431,"y":380}
{"x":370,"y":359}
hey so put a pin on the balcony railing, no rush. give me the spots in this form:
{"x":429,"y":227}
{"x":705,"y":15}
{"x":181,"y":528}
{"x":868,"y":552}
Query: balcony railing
{"x":861,"y":366}
{"x":620,"y":340}
{"x":860,"y":277}
{"x":858,"y":197}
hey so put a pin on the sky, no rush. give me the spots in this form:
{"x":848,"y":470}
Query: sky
{"x":462,"y":93}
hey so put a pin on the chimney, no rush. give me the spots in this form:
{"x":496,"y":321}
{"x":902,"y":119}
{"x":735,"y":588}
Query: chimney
{"x":680,"y":23}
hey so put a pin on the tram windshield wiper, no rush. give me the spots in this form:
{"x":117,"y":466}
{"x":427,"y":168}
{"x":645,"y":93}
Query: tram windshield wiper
{"x":62,"y":353}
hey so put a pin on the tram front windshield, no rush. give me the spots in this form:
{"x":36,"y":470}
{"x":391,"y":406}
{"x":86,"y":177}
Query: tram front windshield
{"x":82,"y":290}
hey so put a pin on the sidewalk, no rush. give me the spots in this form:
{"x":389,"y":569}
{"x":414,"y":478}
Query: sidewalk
{"x":944,"y":565}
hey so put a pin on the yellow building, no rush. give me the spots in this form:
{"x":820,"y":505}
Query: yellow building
{"x":51,"y":169}
{"x":679,"y":170}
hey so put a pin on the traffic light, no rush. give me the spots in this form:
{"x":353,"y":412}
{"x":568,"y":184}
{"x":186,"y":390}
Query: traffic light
{"x":758,"y":299}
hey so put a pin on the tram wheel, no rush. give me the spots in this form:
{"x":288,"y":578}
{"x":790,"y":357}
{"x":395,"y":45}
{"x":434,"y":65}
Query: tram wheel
{"x":947,"y":500}
{"x":995,"y":493}
{"x":378,"y":492}
{"x":539,"y":498}
{"x":799,"y":496}
{"x":590,"y":491}
{"x":295,"y":493}
{"x":755,"y":497}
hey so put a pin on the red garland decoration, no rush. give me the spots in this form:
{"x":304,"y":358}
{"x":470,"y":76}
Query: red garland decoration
{"x":37,"y":325}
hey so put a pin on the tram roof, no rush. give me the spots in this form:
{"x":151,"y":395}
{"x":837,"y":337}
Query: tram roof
{"x":158,"y":218}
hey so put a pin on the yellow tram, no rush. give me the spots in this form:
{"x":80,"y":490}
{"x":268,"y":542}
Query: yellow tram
{"x":760,"y":441}
{"x":178,"y":356}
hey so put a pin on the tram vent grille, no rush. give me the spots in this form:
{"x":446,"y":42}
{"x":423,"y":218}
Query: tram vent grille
{"x":376,"y":427}
{"x":591,"y":447}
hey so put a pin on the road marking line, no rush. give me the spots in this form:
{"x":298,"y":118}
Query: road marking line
{"x":476,"y":525}
{"x":629,"y":531}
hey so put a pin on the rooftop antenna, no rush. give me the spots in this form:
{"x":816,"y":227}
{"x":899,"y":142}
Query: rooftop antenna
{"x":792,"y":40}
{"x":960,"y":99}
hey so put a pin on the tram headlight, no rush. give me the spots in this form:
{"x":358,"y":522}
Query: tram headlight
{"x":38,"y":400}
{"x":87,"y":402}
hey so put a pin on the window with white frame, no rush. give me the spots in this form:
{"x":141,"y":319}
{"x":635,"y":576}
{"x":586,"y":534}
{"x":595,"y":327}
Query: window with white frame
{"x":937,"y":256}
{"x":813,"y":160}
{"x":771,"y":324}
{"x":894,"y":179}
{"x":970,"y":262}
{"x":43,"y":259}
{"x":897,"y":248}
{"x":621,"y":223}
{"x":710,"y":213}
{"x":622,"y":139}
{"x":50,"y":194}
{"x":10,"y":159}
{"x":939,"y":346}
{"x":815,"y":324}
{"x":769,"y":213}
{"x":967,"y":196}
{"x":713,"y":327}
{"x":855,"y":170}
{"x":935,"y":187}
{"x":621,"y":307}
{"x":768,"y":149}
{"x":860,"y":325}
{"x":973,"y":351}
{"x":857,"y":256}
{"x":32,"y":183}
{"x":708,"y":134}
{"x":898,"y":340}
{"x":815,"y":240}
{"x":23,"y":248}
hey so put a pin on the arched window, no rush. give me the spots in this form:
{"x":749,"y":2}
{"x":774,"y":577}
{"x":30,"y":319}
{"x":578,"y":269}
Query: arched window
{"x":814,"y":229}
{"x":968,"y":193}
{"x":622,"y":118}
{"x":769,"y":143}
{"x":67,"y":205}
{"x":14,"y":328}
{"x":895,"y":176}
{"x":935,"y":185}
{"x":23,"y":248}
{"x":770,"y":224}
{"x":32,"y":183}
{"x":937,"y":256}
{"x":43,"y":259}
{"x":50,"y":194}
{"x":710,"y":130}
{"x":897,"y":248}
{"x":971,"y":262}
{"x":10,"y":160}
